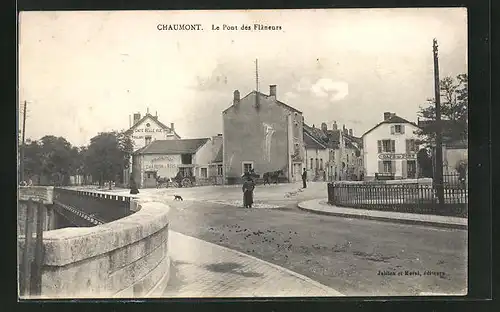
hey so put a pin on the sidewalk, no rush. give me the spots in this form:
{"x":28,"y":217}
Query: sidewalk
{"x":321,"y":206}
{"x":203,"y":269}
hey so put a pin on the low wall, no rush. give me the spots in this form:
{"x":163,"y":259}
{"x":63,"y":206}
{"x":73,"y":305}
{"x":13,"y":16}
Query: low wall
{"x":127,"y":258}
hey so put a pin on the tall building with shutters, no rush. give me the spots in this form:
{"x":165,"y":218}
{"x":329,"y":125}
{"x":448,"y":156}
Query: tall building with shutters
{"x":390,"y":149}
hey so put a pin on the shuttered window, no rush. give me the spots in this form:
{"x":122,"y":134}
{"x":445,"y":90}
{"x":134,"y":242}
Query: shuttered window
{"x":404,"y":170}
{"x":393,"y":130}
{"x":379,"y":145}
{"x":411,"y":146}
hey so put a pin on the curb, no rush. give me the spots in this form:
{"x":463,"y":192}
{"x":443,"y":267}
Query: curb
{"x":279,"y":268}
{"x":303,"y":206}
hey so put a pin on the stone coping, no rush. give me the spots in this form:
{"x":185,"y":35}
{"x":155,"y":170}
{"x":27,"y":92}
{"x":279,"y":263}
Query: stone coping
{"x":70,"y":245}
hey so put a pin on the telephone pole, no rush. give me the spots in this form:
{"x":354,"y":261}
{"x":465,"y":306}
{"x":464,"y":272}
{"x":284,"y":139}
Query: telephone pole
{"x":438,"y":174}
{"x":21,"y":161}
{"x":257,"y":83}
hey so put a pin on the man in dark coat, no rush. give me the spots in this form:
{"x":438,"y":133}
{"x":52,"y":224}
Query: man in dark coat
{"x":248,"y":188}
{"x":304,"y":178}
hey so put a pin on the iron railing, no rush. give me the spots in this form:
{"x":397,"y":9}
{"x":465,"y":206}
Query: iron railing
{"x":408,"y":198}
{"x":100,"y":207}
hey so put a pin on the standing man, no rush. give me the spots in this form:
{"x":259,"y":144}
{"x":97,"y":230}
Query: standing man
{"x":304,"y":178}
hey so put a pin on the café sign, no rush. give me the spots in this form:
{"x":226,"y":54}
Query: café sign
{"x":397,"y":156}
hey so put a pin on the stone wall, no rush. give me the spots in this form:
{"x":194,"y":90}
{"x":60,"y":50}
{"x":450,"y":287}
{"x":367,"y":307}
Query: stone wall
{"x":127,"y":258}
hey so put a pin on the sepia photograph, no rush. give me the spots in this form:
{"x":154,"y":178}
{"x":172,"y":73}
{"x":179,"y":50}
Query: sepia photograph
{"x":242,"y":153}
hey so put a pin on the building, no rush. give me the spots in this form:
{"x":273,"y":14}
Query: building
{"x":143,"y":131}
{"x":390,"y":149}
{"x":336,"y":157}
{"x":262,"y":133}
{"x":166,"y":158}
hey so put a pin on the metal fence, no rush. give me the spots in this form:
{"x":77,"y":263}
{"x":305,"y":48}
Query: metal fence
{"x":408,"y":198}
{"x":102,"y":207}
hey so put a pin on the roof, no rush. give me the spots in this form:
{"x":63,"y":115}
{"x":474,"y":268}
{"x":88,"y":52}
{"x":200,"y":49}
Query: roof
{"x":267,"y":96}
{"x":312,"y":143}
{"x":218,"y":158}
{"x":185,"y":146}
{"x":155,"y":118}
{"x":330,"y":138}
{"x":395,"y":119}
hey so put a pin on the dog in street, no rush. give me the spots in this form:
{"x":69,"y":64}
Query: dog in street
{"x":178,"y":197}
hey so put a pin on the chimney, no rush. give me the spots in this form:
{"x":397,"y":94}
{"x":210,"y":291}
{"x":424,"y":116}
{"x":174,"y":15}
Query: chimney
{"x":344,"y":129}
{"x":324,"y":127}
{"x":272,"y":91}
{"x":387,"y":115}
{"x":334,"y":127}
{"x":350,"y":132}
{"x":172,"y":126}
{"x":236,"y":98}
{"x":137,"y":117}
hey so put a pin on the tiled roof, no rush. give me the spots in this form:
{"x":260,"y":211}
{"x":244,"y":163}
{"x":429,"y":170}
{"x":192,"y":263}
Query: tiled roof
{"x":218,"y":158}
{"x":394,"y":119}
{"x":329,"y":139}
{"x":311,"y":142}
{"x":267,"y":96}
{"x":185,"y":146}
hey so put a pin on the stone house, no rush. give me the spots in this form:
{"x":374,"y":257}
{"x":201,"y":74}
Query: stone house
{"x":262,"y":133}
{"x":390,"y":149}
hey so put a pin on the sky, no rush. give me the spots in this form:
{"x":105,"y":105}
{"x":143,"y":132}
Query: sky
{"x":82,"y":73}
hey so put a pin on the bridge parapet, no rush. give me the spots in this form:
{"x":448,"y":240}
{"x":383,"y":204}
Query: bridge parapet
{"x":126,"y":258}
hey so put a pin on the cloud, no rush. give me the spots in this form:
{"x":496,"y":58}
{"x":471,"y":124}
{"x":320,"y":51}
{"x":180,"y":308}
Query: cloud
{"x":334,"y":90}
{"x":290,"y":95}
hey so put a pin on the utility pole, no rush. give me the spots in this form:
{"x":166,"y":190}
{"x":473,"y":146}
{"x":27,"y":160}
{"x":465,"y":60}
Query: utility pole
{"x":438,"y":174}
{"x":21,"y":161}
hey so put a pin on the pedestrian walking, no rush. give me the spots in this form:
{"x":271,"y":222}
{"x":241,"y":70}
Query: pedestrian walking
{"x":248,"y":188}
{"x":304,"y":178}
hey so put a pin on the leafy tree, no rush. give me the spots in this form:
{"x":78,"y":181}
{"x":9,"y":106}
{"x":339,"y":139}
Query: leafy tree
{"x":454,"y":112}
{"x":50,"y":157}
{"x":108,"y":155}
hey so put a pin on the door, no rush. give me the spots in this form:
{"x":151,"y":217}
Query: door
{"x":297,"y":172}
{"x":411,"y":169}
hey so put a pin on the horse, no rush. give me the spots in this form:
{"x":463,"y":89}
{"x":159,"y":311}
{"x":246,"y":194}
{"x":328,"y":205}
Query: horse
{"x":272,"y":176}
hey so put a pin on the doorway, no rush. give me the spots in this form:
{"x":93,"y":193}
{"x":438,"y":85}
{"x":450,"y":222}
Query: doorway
{"x":297,"y":172}
{"x":411,"y":169}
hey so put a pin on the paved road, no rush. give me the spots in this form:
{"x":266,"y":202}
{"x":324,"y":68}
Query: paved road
{"x":345,"y":254}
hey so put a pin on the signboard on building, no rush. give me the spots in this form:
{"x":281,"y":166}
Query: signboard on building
{"x":393,"y":156}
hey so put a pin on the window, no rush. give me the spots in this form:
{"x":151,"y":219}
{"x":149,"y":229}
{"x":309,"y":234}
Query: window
{"x":387,"y":166}
{"x":148,"y":139}
{"x":246,"y":166}
{"x":411,"y":146}
{"x":317,"y":163}
{"x":321,"y":164}
{"x":187,"y":159}
{"x":219,"y":170}
{"x":204,"y":173}
{"x":397,"y":129}
{"x":347,"y":157}
{"x":311,"y":163}
{"x":386,"y":146}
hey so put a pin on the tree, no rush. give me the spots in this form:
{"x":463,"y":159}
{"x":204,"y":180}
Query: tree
{"x":108,"y":155}
{"x":50,"y":157}
{"x":454,"y":112}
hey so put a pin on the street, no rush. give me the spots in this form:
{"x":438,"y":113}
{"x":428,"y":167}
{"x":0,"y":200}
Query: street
{"x":354,"y":256}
